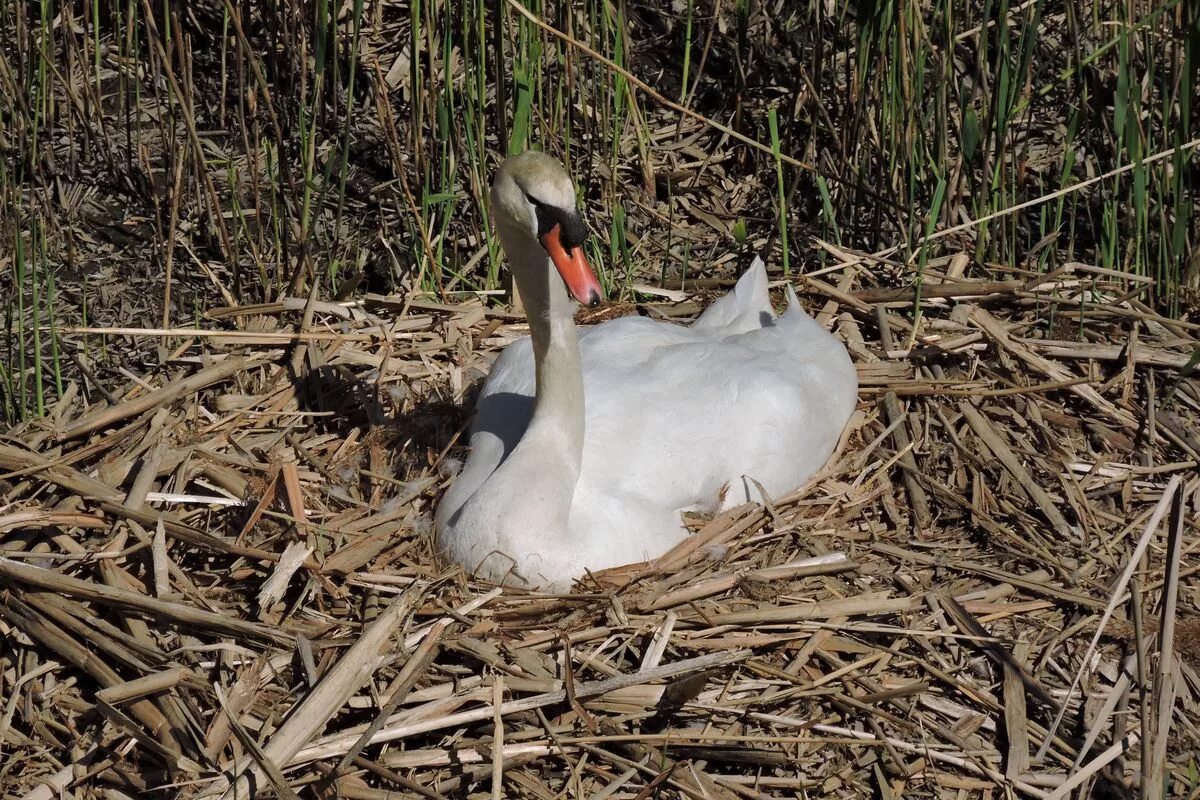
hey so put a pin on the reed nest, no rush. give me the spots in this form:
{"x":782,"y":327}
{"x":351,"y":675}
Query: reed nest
{"x":216,"y":571}
{"x":220,"y":579}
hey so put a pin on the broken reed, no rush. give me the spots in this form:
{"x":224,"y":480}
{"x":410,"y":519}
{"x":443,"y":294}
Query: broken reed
{"x":352,"y":148}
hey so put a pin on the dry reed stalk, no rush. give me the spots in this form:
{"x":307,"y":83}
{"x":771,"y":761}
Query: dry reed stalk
{"x":814,"y":645}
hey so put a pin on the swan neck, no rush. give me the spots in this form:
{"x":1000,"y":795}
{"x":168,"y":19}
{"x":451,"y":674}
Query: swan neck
{"x":558,"y":404}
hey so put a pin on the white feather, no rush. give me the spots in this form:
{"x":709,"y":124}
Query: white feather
{"x":671,"y":414}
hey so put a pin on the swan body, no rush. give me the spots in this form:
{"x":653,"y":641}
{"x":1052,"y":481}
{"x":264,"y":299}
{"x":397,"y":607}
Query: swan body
{"x":587,"y":446}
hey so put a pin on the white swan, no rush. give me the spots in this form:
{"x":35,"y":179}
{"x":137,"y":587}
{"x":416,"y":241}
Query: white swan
{"x":587,"y":445}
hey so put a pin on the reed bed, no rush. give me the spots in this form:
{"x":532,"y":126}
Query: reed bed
{"x":224,"y":578}
{"x":251,"y":288}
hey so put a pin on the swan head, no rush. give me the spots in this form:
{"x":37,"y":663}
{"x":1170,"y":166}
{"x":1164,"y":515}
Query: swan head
{"x":533,"y":205}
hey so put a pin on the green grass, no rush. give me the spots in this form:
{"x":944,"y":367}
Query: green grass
{"x":781,"y":192}
{"x":347,"y":148}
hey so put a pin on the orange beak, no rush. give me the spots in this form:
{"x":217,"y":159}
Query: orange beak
{"x":572,"y":265}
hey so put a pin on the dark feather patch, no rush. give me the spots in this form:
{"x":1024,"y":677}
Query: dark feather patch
{"x":573,"y":231}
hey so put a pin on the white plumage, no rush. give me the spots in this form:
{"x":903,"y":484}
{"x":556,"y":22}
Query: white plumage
{"x":673,"y":419}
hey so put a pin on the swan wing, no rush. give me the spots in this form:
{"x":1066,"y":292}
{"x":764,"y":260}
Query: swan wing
{"x":674,"y":416}
{"x":746,"y":308}
{"x":502,"y":414}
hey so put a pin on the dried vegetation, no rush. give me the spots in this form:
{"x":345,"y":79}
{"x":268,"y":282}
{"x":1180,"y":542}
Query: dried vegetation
{"x":250,"y":296}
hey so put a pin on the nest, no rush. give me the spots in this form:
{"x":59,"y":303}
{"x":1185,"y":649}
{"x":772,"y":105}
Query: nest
{"x":220,"y":579}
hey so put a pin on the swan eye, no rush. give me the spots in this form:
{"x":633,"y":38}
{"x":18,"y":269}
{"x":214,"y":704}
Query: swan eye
{"x":574,"y":232}
{"x":544,"y":212}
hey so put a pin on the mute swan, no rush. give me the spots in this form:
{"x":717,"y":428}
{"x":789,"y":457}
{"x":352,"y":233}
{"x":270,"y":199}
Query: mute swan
{"x":587,"y":445}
